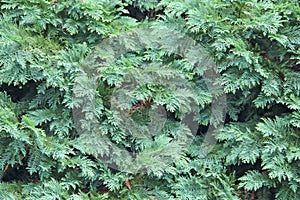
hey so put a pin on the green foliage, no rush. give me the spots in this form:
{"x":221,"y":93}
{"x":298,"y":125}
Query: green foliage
{"x":87,"y":20}
{"x":49,"y":68}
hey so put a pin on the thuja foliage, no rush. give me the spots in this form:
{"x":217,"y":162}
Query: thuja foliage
{"x":48,"y":49}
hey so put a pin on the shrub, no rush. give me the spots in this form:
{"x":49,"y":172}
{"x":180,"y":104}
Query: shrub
{"x":50,"y":51}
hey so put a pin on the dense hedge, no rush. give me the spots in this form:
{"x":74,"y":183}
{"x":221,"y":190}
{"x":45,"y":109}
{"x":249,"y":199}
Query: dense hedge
{"x":49,"y":54}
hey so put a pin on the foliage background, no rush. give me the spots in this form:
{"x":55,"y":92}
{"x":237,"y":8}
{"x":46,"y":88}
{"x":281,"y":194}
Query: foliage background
{"x":255,"y":45}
